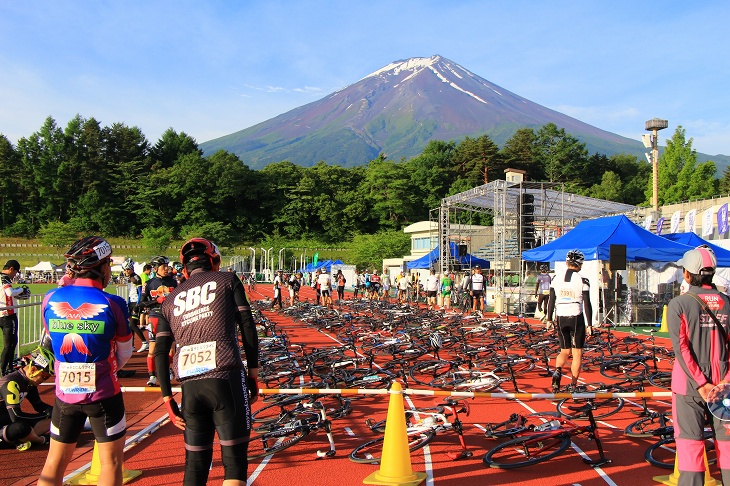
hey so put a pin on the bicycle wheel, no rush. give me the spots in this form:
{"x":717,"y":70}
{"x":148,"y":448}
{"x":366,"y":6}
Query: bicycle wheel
{"x":648,"y":426}
{"x":272,"y":412}
{"x":604,"y":407}
{"x":272,"y":442}
{"x":525,"y":451}
{"x":663,"y":452}
{"x":370,"y":452}
{"x":661,"y":379}
{"x":424,"y":373}
{"x":621,"y":368}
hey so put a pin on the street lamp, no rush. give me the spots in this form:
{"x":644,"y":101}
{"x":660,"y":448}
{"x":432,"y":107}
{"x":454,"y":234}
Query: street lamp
{"x":654,"y":125}
{"x":253,"y":261}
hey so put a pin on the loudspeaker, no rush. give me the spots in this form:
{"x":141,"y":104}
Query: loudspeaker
{"x":462,"y":250}
{"x":617,"y":257}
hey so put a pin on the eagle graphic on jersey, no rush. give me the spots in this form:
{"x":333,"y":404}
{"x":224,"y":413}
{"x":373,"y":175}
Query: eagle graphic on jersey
{"x":84,"y":311}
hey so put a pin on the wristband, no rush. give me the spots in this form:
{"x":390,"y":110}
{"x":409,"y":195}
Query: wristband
{"x":173,"y":410}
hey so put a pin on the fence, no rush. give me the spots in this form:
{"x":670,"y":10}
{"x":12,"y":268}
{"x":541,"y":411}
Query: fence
{"x":30,"y":319}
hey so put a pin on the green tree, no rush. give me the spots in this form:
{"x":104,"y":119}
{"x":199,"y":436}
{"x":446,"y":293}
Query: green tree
{"x":156,"y":239}
{"x":609,"y":188}
{"x":58,"y":235}
{"x":389,"y":193}
{"x":10,"y":174}
{"x":519,"y":153}
{"x":562,"y":157}
{"x":679,"y":178}
{"x":368,"y":251}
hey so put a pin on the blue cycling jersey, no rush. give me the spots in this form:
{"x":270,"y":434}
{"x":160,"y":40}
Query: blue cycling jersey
{"x":84,"y":324}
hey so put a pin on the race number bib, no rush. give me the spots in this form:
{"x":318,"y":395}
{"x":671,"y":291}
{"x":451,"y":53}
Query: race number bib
{"x":196,"y":359}
{"x":77,"y":377}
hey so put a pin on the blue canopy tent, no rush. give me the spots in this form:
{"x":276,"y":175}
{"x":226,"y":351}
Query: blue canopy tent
{"x":691,"y":239}
{"x":326,"y":264}
{"x":429,"y":260}
{"x":594,"y":238}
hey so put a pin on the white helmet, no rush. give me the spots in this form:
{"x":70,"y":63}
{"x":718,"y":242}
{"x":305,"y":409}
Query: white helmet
{"x":128,"y":264}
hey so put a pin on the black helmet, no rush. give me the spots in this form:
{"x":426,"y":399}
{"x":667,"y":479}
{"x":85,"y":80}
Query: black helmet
{"x":544,"y":268}
{"x":159,"y":260}
{"x":87,"y":253}
{"x":575,"y":257}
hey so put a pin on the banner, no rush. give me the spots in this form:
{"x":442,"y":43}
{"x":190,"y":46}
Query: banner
{"x":707,"y":222}
{"x":689,"y":221}
{"x":647,"y":222}
{"x":675,"y":221}
{"x":722,"y":224}
{"x":315,"y":258}
{"x":659,"y":226}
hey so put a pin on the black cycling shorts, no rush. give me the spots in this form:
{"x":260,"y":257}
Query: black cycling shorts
{"x":215,"y":404}
{"x":107,"y":417}
{"x":571,"y":331}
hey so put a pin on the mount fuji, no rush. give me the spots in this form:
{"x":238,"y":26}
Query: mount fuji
{"x":396,"y":110}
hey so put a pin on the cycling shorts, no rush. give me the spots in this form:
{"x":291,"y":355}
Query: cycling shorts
{"x":107,"y":417}
{"x":216,"y":404}
{"x":571,"y":331}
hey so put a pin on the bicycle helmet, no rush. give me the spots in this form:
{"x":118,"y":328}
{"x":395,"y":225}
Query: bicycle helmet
{"x":435,"y":341}
{"x":197,"y":249}
{"x":178,"y":267}
{"x":128,"y":264}
{"x":87,"y":253}
{"x":575,"y":257}
{"x":544,"y":268}
{"x":159,"y":260}
{"x":43,"y":359}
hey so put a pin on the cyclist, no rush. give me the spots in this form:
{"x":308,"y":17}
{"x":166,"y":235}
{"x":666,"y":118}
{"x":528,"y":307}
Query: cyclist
{"x":432,"y":288}
{"x":477,"y":289}
{"x":18,"y":428}
{"x":91,"y":340}
{"x":375,"y":285}
{"x":278,"y":284}
{"x":447,"y":283}
{"x":204,"y":317}
{"x":325,"y":287}
{"x":542,"y":289}
{"x":134,"y":291}
{"x":8,"y":316}
{"x":570,"y":301}
{"x":154,"y":294}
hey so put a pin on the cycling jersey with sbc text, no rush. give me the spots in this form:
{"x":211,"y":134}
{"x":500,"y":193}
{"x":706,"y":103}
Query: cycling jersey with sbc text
{"x":204,"y":314}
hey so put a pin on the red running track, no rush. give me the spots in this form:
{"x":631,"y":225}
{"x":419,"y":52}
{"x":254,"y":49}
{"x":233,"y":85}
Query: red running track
{"x":161,"y":455}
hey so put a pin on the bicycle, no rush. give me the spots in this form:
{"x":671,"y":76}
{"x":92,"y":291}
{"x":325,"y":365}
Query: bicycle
{"x":422,"y":425}
{"x":545,"y":441}
{"x":290,"y":429}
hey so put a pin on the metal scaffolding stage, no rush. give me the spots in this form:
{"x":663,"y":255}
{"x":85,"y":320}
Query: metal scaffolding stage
{"x":553,"y":212}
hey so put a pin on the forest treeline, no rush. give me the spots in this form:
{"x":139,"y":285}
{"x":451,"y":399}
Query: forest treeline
{"x":112,"y":181}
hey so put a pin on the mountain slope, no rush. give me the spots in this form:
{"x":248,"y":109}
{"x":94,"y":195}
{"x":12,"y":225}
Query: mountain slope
{"x":396,"y":110}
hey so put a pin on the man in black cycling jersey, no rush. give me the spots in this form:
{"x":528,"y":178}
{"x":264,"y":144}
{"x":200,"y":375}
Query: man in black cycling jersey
{"x":155,"y":292}
{"x":570,"y":301}
{"x":18,"y":428}
{"x":205,"y":316}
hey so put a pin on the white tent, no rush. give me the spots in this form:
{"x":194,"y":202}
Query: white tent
{"x":41,"y":267}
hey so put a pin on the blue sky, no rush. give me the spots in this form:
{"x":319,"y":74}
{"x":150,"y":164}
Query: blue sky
{"x":210,"y":68}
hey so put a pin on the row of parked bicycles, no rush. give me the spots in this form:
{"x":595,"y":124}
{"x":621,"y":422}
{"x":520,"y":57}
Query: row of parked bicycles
{"x":381,"y":342}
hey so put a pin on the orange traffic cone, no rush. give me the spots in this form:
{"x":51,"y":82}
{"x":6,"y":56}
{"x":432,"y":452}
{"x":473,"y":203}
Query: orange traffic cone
{"x":92,"y":475}
{"x":673,"y":479}
{"x":395,"y":461}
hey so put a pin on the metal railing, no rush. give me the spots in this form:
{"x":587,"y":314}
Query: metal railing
{"x":30,"y":319}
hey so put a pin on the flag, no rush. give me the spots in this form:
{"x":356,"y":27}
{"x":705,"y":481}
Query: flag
{"x":315,"y":258}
